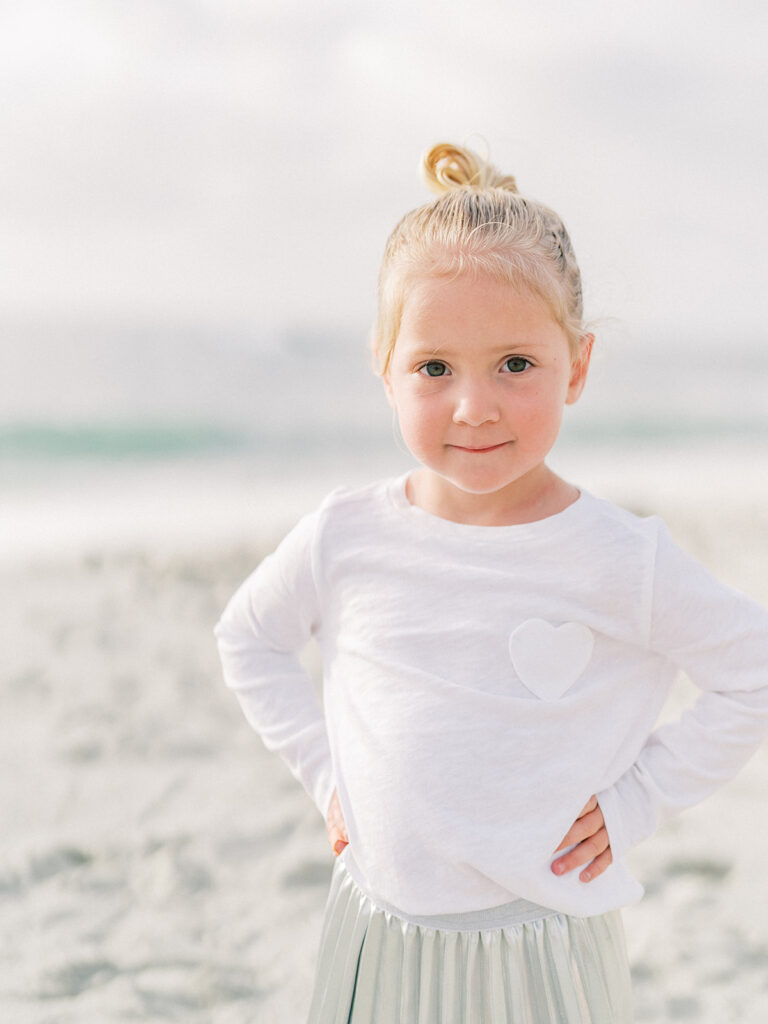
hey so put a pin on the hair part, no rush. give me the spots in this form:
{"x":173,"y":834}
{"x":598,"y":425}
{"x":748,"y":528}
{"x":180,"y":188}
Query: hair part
{"x":479,"y":224}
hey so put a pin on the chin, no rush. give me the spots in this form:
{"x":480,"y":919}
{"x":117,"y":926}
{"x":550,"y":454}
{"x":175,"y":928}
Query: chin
{"x":480,"y":487}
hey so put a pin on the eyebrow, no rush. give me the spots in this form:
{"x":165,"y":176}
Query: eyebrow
{"x":439,"y":351}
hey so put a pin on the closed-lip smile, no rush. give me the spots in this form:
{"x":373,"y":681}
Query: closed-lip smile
{"x":489,"y":448}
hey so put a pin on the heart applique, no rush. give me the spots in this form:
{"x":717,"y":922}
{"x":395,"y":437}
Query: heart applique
{"x":548,"y":659}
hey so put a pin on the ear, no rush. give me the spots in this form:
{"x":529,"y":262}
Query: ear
{"x":579,"y":368}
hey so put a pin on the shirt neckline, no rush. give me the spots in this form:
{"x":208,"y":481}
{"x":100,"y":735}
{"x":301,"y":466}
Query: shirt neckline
{"x":447,"y":527}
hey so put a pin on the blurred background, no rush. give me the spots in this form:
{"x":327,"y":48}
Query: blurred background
{"x":194,"y":199}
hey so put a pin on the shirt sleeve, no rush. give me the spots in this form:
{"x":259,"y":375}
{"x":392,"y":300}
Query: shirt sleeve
{"x":266,"y":624}
{"x":719,"y":638}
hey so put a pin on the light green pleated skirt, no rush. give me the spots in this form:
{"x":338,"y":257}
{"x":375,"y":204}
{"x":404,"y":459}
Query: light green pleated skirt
{"x":538,"y":967}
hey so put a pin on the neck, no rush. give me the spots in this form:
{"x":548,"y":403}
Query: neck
{"x":537,"y":495}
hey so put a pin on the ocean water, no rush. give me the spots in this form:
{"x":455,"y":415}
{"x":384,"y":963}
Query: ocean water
{"x":115,"y":437}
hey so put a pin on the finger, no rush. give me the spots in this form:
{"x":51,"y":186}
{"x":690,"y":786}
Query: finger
{"x":341,"y":829}
{"x":590,"y":805}
{"x":583,"y":827}
{"x":597,"y":867}
{"x":335,"y":825}
{"x":337,"y":840}
{"x":336,"y":821}
{"x":336,"y":831}
{"x":583,"y":853}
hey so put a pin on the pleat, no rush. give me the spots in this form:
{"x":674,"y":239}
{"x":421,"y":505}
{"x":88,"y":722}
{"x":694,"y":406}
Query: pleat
{"x":345,"y":926}
{"x":429,"y":988}
{"x":381,"y":960}
{"x":376,"y":968}
{"x":450,"y":981}
{"x":494,"y":991}
{"x":597,"y":950}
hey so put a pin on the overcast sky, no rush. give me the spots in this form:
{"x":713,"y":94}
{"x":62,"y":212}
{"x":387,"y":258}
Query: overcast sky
{"x":237,"y":166}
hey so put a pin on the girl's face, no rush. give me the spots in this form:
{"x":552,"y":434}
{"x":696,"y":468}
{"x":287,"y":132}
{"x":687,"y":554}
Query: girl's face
{"x":479,"y":378}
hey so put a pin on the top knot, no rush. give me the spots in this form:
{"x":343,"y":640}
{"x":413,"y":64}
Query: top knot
{"x":445,"y":167}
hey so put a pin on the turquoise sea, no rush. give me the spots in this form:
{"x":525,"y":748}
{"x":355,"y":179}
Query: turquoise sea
{"x":114,"y":435}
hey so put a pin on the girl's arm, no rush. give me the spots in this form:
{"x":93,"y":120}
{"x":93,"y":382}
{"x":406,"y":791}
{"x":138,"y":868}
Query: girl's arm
{"x":719,"y":637}
{"x":266,"y":624}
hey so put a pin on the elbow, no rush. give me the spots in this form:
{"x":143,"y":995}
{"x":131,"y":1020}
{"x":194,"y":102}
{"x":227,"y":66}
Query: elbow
{"x":222,"y":630}
{"x":218,"y":629}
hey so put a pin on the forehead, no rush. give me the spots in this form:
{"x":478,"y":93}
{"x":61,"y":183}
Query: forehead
{"x":473,"y":306}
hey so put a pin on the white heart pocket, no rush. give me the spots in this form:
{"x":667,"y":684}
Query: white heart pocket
{"x":548,"y":659}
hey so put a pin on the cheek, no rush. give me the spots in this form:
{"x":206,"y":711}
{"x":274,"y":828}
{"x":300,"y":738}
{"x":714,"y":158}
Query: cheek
{"x":541,"y":414}
{"x":420,"y":423}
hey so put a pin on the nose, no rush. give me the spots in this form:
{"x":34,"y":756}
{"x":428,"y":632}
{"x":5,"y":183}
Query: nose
{"x":476,"y":404}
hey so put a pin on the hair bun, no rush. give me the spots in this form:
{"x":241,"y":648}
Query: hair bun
{"x":446,"y":166}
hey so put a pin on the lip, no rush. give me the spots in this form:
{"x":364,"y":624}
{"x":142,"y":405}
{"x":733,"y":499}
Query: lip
{"x":480,"y":451}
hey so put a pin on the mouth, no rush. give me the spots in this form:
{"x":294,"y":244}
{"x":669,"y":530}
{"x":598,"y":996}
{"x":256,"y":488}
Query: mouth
{"x":480,"y":451}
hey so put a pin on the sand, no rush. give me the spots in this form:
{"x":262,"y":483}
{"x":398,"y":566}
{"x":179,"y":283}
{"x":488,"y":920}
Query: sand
{"x":158,"y":865}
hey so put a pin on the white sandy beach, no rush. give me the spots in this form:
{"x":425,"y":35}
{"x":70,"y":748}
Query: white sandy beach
{"x":158,"y":865}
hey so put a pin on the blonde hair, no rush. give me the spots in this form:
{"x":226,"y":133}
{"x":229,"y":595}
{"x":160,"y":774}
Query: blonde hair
{"x":478,"y":224}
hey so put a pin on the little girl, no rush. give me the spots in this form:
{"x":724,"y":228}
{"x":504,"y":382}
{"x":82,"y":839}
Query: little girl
{"x":497,"y":645}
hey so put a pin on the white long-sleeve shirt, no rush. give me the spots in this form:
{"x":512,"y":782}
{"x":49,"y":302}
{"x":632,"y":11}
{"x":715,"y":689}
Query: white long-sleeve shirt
{"x":480,"y":683}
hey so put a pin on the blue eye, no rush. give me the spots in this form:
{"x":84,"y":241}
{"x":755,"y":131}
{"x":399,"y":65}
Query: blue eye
{"x":433,"y":369}
{"x":516,"y":364}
